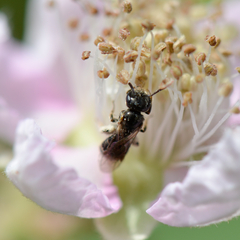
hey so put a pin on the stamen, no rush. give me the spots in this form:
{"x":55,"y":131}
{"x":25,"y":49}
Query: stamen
{"x":161,"y":128}
{"x":202,"y":131}
{"x":138,"y":58}
{"x":151,"y":64}
{"x":214,"y":129}
{"x":193,"y":119}
{"x":209,"y":53}
{"x":173,"y":136}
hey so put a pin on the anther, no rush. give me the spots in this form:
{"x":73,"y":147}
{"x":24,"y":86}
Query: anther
{"x":167,"y":59}
{"x":188,"y":49}
{"x":176,"y":72}
{"x":84,"y":37}
{"x":212,"y":40}
{"x":187,"y":98}
{"x":214,"y":71}
{"x":91,"y":9}
{"x":225,"y":53}
{"x":107,"y":32}
{"x":103,"y":73}
{"x":120,"y":52}
{"x":169,"y":24}
{"x":51,"y":3}
{"x":165,"y":83}
{"x":208,"y":68}
{"x":106,"y":48}
{"x":180,"y":42}
{"x":98,"y":40}
{"x":218,"y":41}
{"x":225,"y":89}
{"x":148,"y":26}
{"x":112,"y":13}
{"x":185,"y":81}
{"x":85,"y":55}
{"x":123,"y":77}
{"x":158,"y":49}
{"x":200,"y":58}
{"x":73,"y":23}
{"x":238,"y":69}
{"x":169,"y":43}
{"x":160,"y":35}
{"x":235,"y":110}
{"x":135,"y":42}
{"x":127,"y":6}
{"x":123,"y":33}
{"x":130,"y":56}
{"x":140,"y":81}
{"x":141,"y":68}
{"x":146,"y":52}
{"x":199,"y":78}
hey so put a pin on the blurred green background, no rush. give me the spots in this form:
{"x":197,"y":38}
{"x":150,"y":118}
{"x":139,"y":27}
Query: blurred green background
{"x":20,"y":219}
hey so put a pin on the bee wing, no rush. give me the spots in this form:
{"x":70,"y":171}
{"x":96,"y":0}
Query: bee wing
{"x":108,"y":163}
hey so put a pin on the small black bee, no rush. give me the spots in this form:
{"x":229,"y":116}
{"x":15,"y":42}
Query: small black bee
{"x":130,"y":122}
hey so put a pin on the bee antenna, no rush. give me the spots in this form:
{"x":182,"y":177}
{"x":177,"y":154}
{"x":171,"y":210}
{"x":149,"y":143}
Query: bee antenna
{"x":131,"y":86}
{"x":159,"y":90}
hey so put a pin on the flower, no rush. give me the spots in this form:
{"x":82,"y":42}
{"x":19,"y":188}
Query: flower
{"x":157,"y":49}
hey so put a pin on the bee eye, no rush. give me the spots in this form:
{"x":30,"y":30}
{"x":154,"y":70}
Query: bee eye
{"x":138,"y":101}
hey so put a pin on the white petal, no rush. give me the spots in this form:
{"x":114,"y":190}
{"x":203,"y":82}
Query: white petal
{"x":209,"y":193}
{"x":57,"y":187}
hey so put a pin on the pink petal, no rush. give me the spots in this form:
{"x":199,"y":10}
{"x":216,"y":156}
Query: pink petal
{"x":56,"y":184}
{"x":37,"y":91}
{"x":209,"y":193}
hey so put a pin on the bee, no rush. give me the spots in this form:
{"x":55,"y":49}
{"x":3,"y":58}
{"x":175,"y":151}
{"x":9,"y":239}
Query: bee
{"x":129,"y":124}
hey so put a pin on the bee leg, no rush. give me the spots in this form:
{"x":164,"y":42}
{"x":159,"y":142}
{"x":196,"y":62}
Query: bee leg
{"x":135,"y":142}
{"x":113,"y":119}
{"x":144,"y":127}
{"x":108,"y":129}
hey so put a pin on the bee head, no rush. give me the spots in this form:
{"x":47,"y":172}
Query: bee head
{"x":139,"y":100}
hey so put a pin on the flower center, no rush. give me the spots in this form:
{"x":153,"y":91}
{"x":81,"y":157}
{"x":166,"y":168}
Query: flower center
{"x":186,"y":117}
{"x":149,"y":49}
